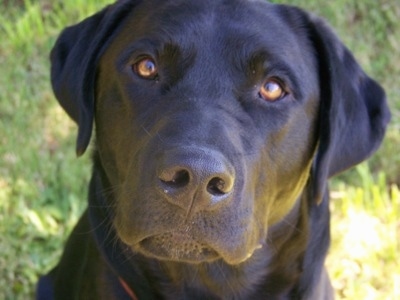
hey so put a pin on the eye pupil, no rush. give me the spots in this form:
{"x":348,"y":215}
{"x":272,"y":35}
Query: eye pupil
{"x":146,"y":68}
{"x":272,"y":91}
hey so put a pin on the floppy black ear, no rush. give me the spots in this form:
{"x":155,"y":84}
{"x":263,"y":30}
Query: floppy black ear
{"x":353,"y":112}
{"x":74,"y":60}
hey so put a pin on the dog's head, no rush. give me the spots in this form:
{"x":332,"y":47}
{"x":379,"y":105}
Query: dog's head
{"x":213,"y":117}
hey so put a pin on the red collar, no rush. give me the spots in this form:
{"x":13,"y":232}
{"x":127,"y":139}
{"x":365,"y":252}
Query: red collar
{"x":127,"y":289}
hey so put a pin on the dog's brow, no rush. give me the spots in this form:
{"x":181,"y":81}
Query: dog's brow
{"x":140,"y":47}
{"x":165,"y":50}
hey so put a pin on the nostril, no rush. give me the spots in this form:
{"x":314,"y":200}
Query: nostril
{"x":175,"y":178}
{"x":218,"y":186}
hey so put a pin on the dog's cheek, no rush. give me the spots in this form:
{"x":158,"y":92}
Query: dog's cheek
{"x":114,"y":136}
{"x":289,"y":163}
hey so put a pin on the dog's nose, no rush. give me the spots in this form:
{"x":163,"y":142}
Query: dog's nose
{"x":215,"y":184}
{"x":196,"y":180}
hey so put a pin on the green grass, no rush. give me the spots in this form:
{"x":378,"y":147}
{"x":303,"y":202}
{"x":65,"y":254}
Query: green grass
{"x":43,"y":185}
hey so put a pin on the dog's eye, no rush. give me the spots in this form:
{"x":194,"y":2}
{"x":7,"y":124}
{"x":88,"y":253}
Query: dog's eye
{"x":272,"y":90}
{"x":146,"y":68}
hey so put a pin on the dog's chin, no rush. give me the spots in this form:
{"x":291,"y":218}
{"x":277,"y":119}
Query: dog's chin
{"x":181,"y":247}
{"x":177,"y":247}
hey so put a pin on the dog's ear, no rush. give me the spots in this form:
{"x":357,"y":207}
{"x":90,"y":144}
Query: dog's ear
{"x":353,"y":110}
{"x":74,"y":60}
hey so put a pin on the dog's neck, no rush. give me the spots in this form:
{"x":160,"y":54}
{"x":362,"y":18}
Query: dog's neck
{"x":273,"y":272}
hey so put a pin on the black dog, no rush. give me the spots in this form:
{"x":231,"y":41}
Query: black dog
{"x":217,"y":126}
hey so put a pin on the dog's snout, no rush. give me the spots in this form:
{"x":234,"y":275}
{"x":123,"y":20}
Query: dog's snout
{"x":176,"y":178}
{"x":196,"y":180}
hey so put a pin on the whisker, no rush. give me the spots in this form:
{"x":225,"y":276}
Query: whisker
{"x":224,"y":276}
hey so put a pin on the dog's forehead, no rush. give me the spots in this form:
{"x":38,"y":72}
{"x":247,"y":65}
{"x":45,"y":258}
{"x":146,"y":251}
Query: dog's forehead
{"x":193,"y":21}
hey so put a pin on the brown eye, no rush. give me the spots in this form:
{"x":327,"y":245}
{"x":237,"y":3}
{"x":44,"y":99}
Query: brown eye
{"x":146,"y":68}
{"x":272,"y":90}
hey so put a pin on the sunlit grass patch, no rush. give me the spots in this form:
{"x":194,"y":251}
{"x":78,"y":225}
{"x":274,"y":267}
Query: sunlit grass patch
{"x":363,"y":261}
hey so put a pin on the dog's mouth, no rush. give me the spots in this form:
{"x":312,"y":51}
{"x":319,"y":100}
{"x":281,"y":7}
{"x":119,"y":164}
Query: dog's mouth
{"x":177,"y":246}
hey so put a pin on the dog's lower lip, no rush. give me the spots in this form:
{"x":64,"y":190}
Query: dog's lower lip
{"x":179,"y":247}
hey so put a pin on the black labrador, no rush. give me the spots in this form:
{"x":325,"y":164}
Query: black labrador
{"x":217,"y":124}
